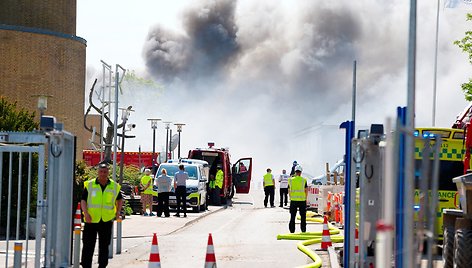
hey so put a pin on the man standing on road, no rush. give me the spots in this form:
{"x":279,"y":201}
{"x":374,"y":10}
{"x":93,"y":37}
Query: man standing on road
{"x":180,"y":185}
{"x":294,"y":165}
{"x":101,"y":204}
{"x":298,"y":192}
{"x":163,"y":183}
{"x":269,"y":188}
{"x":147,"y":193}
{"x":283,"y":180}
{"x":218,"y":186}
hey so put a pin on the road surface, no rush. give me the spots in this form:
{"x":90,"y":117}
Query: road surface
{"x":244,"y":235}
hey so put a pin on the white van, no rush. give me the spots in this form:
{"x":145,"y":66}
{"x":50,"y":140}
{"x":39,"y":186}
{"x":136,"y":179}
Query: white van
{"x":198,"y":171}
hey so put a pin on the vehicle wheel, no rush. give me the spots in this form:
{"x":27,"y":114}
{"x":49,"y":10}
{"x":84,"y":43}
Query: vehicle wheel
{"x":462,"y":251}
{"x":448,"y":247}
{"x":196,"y":209}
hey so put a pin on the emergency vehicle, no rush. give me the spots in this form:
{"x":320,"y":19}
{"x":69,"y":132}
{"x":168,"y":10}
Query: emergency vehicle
{"x":196,"y":184}
{"x":450,"y":166}
{"x":237,"y":177}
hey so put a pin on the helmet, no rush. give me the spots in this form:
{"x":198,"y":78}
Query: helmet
{"x":298,"y":168}
{"x":295,"y":162}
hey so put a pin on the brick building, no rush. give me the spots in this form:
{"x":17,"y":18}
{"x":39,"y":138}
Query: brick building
{"x":40,"y":54}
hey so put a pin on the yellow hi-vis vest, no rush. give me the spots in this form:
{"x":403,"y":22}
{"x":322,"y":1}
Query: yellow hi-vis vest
{"x":101,"y":205}
{"x":268,"y":180}
{"x":297,"y":188}
{"x":144,"y":180}
{"x":219,"y":179}
{"x":212,"y":184}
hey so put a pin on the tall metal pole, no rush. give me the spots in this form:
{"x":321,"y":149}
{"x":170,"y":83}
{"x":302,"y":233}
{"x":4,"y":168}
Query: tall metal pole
{"x":103,"y":101}
{"x":115,"y":130}
{"x":435,"y":65}
{"x":115,"y":127}
{"x":179,"y":146}
{"x":354,"y":91}
{"x":153,"y":146}
{"x":122,"y":156}
{"x":167,"y":139}
{"x":154,"y":127}
{"x":170,"y":143}
{"x":408,"y":234}
{"x":179,"y":130}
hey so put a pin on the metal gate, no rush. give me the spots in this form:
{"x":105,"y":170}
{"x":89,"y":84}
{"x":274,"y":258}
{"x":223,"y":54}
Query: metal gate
{"x":23,"y":194}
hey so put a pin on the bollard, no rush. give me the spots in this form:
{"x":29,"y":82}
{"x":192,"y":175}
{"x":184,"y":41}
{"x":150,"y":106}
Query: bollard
{"x":17,"y":257}
{"x":76,"y":247}
{"x":110,"y":247}
{"x":118,"y":235}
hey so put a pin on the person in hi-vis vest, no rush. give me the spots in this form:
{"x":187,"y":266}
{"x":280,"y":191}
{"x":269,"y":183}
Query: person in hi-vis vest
{"x":219,"y":177}
{"x":101,"y":204}
{"x":298,"y":191}
{"x":269,"y":188}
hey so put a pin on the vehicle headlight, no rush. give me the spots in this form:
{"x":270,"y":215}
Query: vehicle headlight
{"x":192,"y":190}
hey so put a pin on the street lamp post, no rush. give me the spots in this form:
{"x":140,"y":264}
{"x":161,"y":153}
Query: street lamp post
{"x":179,"y":130}
{"x":167,"y":139}
{"x":125,"y":113}
{"x":154,"y":122}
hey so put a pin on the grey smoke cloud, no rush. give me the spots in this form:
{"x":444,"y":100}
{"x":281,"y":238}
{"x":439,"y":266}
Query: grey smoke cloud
{"x":284,"y":72}
{"x":208,"y":46}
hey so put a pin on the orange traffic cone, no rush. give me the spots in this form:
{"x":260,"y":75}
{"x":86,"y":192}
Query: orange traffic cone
{"x":356,"y":243}
{"x":210,"y":259}
{"x":326,"y":238}
{"x":154,"y":259}
{"x":77,"y":217}
{"x":337,"y":216}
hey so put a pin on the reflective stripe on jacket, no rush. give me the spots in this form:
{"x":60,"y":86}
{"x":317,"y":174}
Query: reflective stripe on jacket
{"x":101,"y":205}
{"x":297,"y":188}
{"x":268,"y":181}
{"x":219,"y":179}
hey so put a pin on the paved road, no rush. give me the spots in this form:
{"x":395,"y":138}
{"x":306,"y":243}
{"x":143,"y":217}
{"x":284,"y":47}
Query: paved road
{"x":244,"y":235}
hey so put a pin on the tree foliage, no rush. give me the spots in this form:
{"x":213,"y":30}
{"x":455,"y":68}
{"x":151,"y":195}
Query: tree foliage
{"x":13,"y":118}
{"x":466,"y":45}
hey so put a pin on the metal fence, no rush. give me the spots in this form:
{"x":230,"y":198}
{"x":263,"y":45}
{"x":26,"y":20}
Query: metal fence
{"x":35,"y":198}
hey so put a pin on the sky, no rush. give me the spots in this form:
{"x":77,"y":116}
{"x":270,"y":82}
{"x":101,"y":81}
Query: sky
{"x":273,"y":79}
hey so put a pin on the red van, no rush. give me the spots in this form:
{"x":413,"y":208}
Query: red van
{"x":237,"y":177}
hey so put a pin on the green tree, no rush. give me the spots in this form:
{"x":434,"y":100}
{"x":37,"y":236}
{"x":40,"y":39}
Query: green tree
{"x":13,"y":118}
{"x":466,"y":45}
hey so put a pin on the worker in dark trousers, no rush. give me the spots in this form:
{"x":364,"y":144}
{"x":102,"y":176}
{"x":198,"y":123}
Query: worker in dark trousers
{"x":101,"y":204}
{"x":283,"y":186}
{"x":180,"y":185}
{"x":298,"y":191}
{"x":292,"y":170}
{"x":219,"y":177}
{"x":269,"y":188}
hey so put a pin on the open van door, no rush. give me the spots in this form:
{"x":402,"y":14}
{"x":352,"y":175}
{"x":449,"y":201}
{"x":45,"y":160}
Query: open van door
{"x":242,"y":171}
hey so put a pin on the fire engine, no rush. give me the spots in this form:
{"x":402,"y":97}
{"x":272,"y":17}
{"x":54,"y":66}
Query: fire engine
{"x":237,"y":177}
